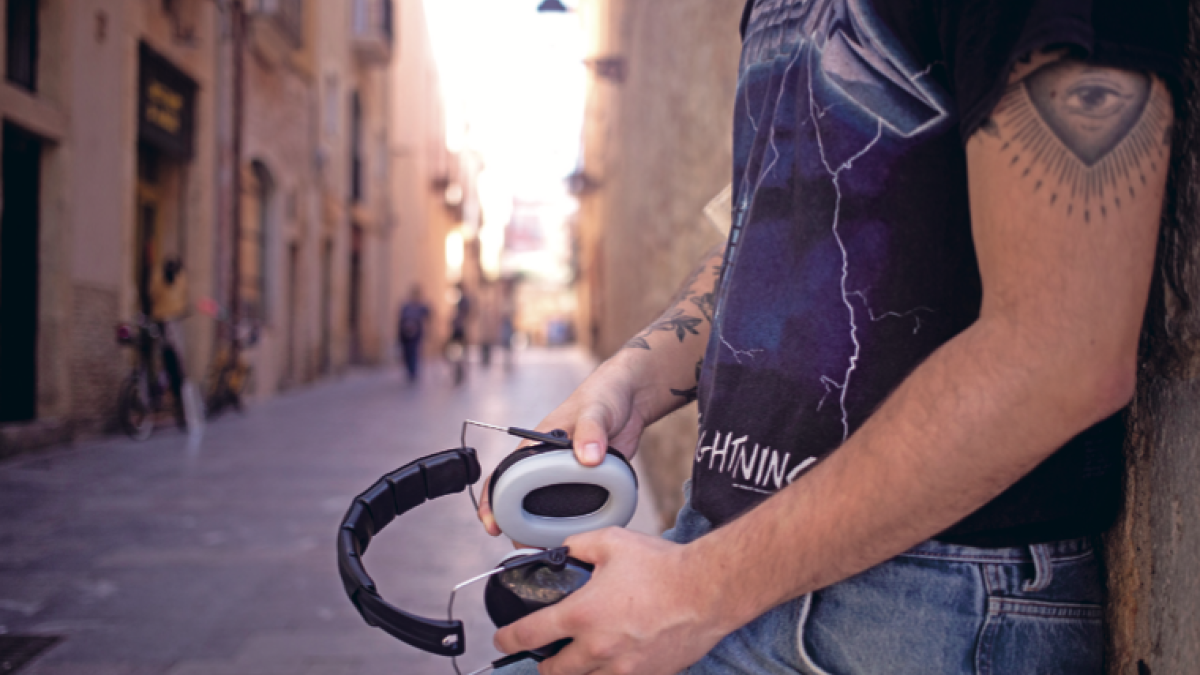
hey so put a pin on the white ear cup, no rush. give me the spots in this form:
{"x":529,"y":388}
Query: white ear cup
{"x":553,"y":468}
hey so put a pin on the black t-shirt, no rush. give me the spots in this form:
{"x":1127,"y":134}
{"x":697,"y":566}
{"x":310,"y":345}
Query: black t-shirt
{"x":850,"y":259}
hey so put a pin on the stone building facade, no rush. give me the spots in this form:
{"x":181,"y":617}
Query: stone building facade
{"x":109,"y":111}
{"x":119,"y":121}
{"x":316,"y":218}
{"x":426,"y":187}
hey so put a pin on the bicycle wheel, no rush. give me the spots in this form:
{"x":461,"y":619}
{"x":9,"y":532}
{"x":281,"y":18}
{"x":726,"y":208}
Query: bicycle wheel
{"x":218,"y":396}
{"x":134,"y":412}
{"x":239,"y":394}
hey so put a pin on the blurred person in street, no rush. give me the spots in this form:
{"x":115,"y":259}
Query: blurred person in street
{"x":168,"y":304}
{"x":456,"y":346}
{"x":488,"y":322}
{"x":507,"y":310}
{"x":911,"y":357}
{"x":410,"y":331}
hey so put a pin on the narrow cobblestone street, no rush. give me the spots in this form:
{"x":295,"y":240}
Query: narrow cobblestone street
{"x":150,"y":558}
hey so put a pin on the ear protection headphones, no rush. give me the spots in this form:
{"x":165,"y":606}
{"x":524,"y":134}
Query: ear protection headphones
{"x":540,"y":495}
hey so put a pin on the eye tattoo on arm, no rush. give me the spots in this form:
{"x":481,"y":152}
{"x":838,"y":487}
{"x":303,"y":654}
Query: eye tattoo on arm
{"x":1085,"y":136}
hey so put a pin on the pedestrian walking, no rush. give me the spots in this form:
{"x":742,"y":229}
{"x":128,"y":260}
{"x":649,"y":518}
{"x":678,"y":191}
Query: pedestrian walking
{"x":414,"y":314}
{"x":168,"y":305}
{"x":456,"y":346}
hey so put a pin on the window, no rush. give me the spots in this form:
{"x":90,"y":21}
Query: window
{"x":22,"y":42}
{"x":357,"y":187}
{"x":252,"y":256}
{"x":386,"y":20}
{"x":291,"y":18}
{"x":332,"y":103}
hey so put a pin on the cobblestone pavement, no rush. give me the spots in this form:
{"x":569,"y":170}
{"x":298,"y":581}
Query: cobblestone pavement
{"x":151,"y":558}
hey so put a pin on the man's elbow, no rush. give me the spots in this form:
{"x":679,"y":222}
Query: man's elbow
{"x":1092,"y":379}
{"x":1110,"y":387}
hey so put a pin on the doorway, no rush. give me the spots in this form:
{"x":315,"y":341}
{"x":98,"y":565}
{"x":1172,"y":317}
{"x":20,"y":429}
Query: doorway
{"x":19,"y":231}
{"x":149,"y":195}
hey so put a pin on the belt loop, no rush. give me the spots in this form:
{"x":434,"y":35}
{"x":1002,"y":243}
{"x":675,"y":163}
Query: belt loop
{"x":1043,"y":569}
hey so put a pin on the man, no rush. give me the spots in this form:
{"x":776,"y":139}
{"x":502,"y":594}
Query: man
{"x":168,"y":303}
{"x":913,"y":351}
{"x":456,"y":346}
{"x":414,"y":314}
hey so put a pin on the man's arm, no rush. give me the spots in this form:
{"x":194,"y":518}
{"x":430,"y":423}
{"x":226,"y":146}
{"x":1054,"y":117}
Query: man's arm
{"x":676,"y":362}
{"x":1066,"y":184}
{"x":656,"y":372}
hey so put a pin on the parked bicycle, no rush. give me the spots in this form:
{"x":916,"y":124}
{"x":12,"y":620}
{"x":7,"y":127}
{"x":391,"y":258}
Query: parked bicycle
{"x":230,"y":371}
{"x":156,"y":382}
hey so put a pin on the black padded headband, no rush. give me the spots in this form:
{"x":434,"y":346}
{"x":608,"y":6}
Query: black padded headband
{"x":398,"y":492}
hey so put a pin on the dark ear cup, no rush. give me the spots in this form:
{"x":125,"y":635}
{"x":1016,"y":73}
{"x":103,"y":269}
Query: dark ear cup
{"x":515,"y":593}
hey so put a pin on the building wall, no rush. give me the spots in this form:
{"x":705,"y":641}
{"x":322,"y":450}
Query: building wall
{"x":419,"y":164}
{"x":343,"y":72}
{"x":657,"y":148}
{"x":1154,"y":550}
{"x":99,"y":253}
{"x":297,"y":133}
{"x":85,"y":111}
{"x":278,"y":167}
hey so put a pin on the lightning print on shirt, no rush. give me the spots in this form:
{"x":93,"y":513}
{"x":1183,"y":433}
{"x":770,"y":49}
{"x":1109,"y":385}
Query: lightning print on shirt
{"x":830,"y":293}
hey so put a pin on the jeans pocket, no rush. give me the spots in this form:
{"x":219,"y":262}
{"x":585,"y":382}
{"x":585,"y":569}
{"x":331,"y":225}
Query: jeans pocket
{"x":1022,"y":636}
{"x":807,"y":661}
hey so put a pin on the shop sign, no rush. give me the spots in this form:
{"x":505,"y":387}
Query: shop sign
{"x":166,"y":105}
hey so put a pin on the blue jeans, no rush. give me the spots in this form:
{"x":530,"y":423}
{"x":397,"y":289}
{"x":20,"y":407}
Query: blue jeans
{"x":938,"y":608}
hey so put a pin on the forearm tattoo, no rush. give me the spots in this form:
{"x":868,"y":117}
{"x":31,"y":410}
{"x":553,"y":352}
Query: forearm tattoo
{"x":675,"y":320}
{"x":679,"y":317}
{"x":691,"y":394}
{"x":1084,"y":136}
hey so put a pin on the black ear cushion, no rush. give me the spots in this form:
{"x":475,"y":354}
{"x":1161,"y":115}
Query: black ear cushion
{"x":565,"y":500}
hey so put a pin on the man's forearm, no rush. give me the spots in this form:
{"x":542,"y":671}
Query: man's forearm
{"x":969,"y":422}
{"x":666,"y":356}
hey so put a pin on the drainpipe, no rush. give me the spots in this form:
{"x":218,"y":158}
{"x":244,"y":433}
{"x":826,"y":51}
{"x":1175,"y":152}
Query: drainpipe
{"x":238,"y":31}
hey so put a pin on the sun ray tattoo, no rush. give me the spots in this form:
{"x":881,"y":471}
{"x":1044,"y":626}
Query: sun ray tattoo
{"x":1084,"y":136}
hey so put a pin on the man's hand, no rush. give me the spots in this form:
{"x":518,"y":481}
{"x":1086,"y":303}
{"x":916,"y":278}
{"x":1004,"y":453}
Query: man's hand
{"x":600,"y":413}
{"x":655,"y":373}
{"x":645,"y":611}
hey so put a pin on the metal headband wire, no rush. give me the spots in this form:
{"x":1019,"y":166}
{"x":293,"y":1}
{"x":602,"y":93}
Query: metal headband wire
{"x":450,"y":614}
{"x":508,"y":430}
{"x":463,"y":445}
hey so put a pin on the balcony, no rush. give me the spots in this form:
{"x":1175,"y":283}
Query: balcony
{"x":371,"y":26}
